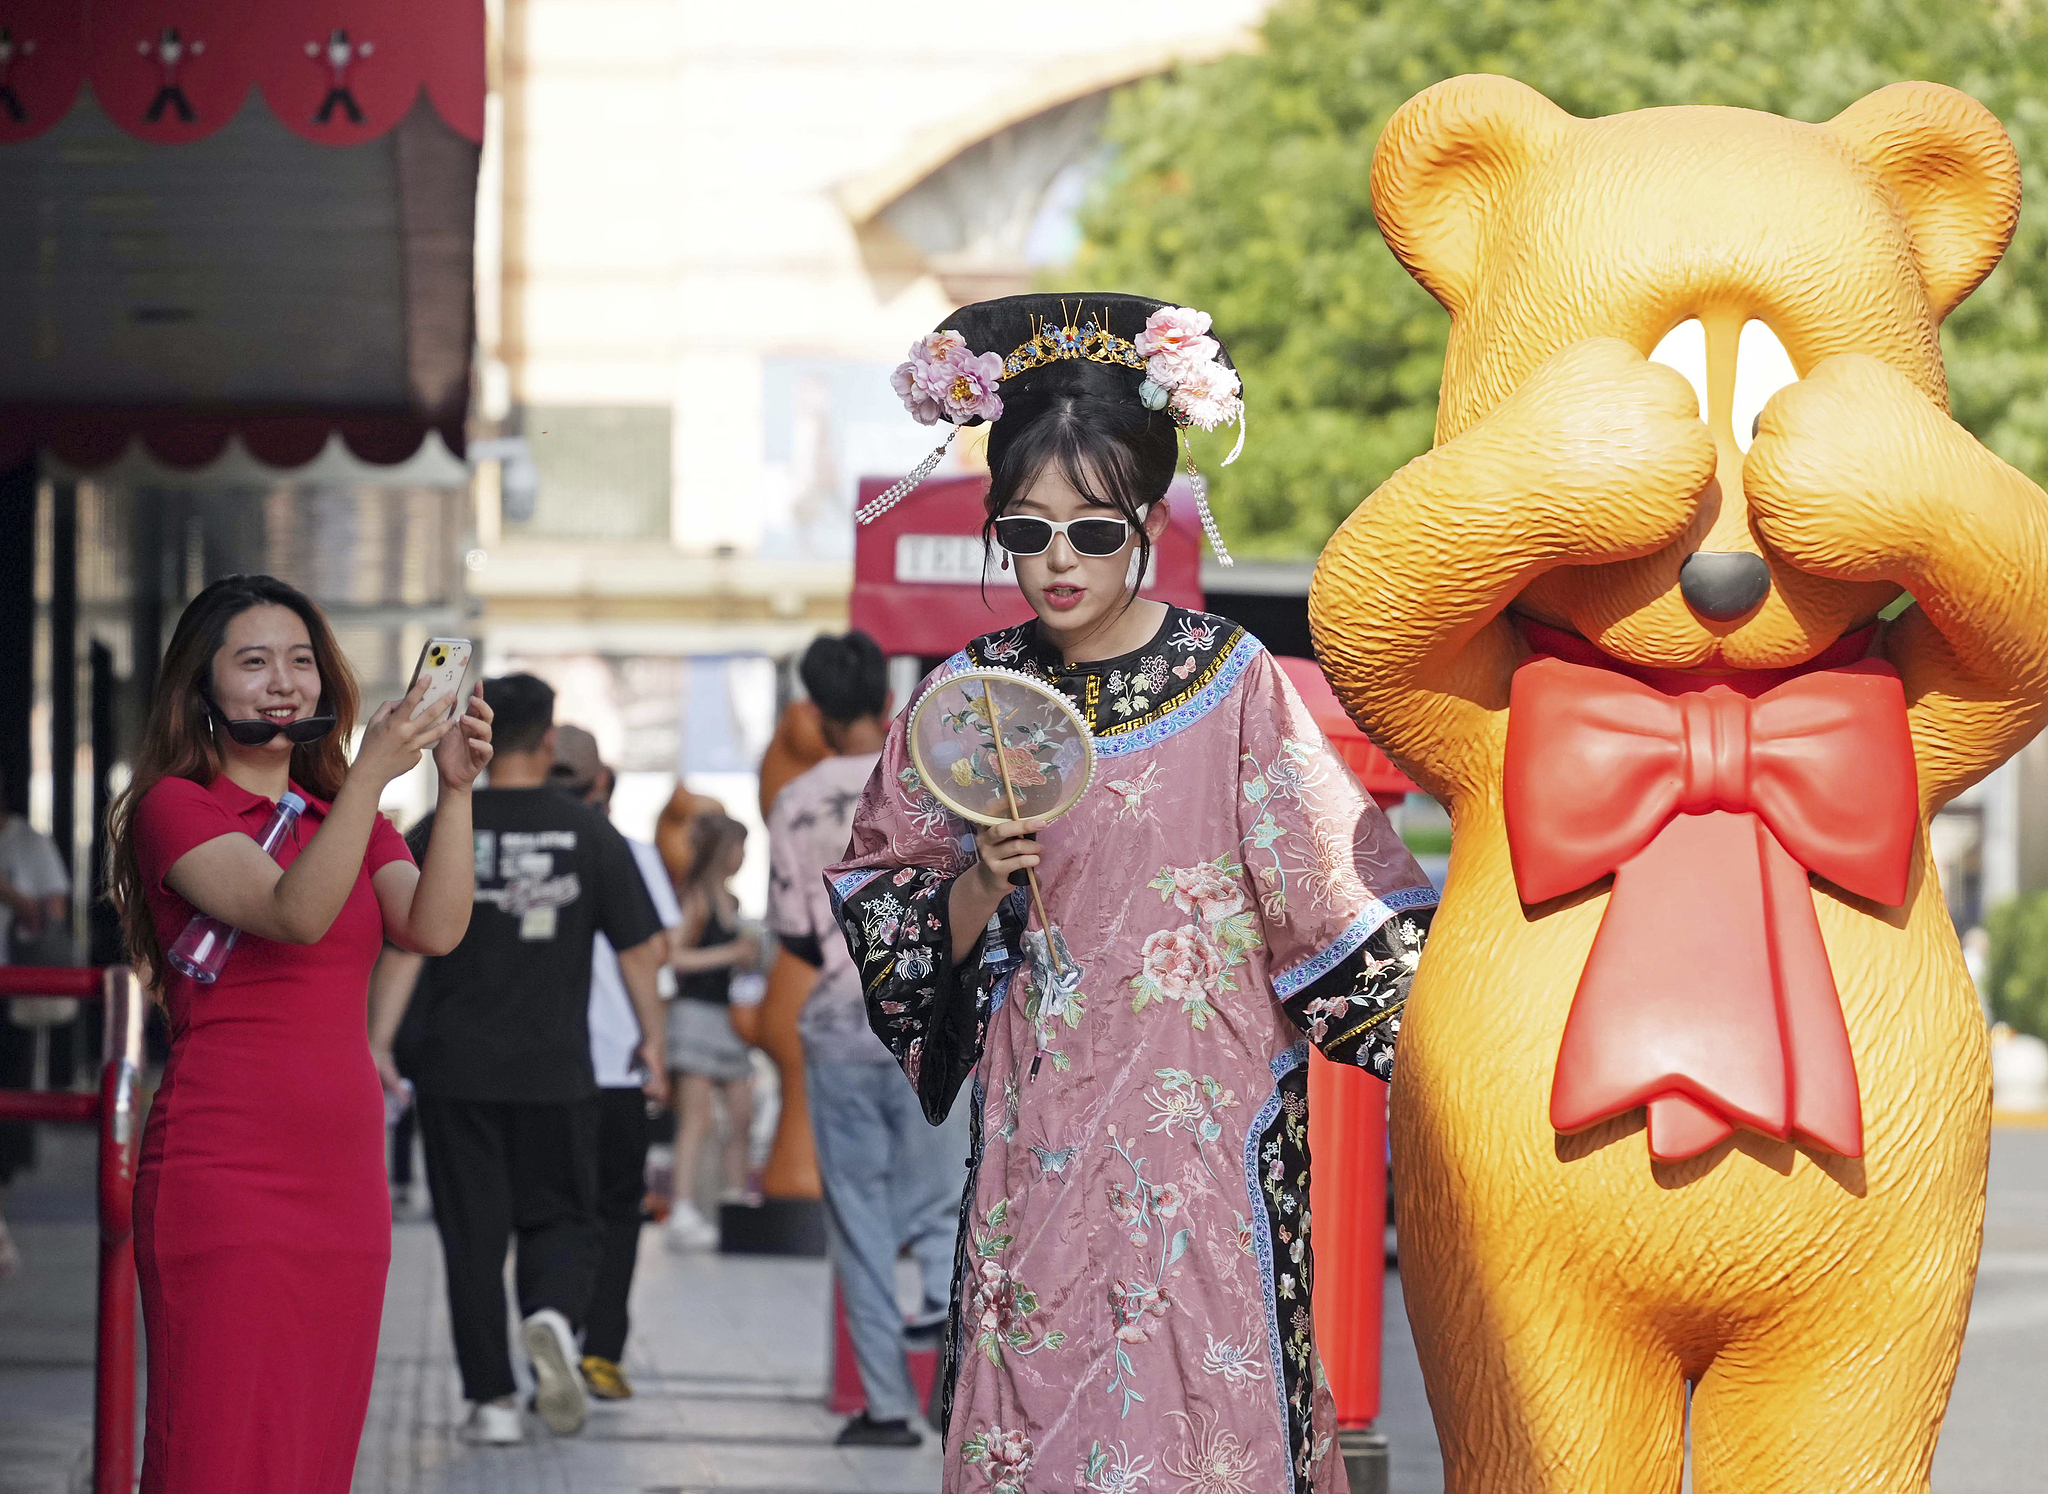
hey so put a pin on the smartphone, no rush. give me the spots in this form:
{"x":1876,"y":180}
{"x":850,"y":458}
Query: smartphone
{"x":444,"y":663}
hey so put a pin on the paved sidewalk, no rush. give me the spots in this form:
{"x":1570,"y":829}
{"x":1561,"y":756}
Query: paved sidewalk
{"x":728,"y":1357}
{"x":727,"y":1361}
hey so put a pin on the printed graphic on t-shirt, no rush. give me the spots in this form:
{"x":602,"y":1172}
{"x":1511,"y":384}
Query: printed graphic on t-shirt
{"x":525,"y":866}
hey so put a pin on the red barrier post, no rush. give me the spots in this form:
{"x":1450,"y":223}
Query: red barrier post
{"x":113,"y":1418}
{"x":1347,"y":1127}
{"x":114,"y":1108}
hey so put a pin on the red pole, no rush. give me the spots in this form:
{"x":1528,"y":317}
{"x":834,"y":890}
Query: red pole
{"x":113,"y":1464}
{"x":116,"y":1112}
{"x":1347,"y":1130}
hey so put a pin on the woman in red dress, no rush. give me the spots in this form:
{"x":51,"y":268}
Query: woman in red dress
{"x":262,"y":1218}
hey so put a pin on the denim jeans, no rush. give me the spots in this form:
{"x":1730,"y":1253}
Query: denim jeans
{"x":892,"y":1183}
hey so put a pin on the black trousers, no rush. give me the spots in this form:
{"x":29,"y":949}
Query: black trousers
{"x":17,"y":1068}
{"x":496,"y":1170}
{"x":402,"y":1135}
{"x":621,"y":1189}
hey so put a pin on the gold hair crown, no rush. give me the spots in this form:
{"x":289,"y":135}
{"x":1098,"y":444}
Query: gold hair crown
{"x":1089,"y":340}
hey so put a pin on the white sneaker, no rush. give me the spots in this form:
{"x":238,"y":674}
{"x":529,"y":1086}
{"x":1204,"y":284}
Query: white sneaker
{"x":494,"y":1424}
{"x":686,"y":1229}
{"x":558,"y":1394}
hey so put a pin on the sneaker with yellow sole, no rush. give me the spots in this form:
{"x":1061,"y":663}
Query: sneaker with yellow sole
{"x":605,"y":1379}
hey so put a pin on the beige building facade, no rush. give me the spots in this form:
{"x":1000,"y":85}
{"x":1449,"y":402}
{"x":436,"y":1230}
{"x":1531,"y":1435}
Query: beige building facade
{"x":706,"y":233}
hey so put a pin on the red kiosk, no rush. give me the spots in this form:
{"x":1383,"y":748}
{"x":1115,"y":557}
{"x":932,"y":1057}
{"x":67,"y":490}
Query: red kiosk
{"x":922,"y":586}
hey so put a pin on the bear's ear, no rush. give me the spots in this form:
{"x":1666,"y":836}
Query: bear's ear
{"x":1444,"y":162}
{"x":1956,"y":175}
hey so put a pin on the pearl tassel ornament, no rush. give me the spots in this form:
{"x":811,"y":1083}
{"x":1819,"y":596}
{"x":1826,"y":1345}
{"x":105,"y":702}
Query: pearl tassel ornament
{"x":882,"y":502}
{"x":1201,"y":486}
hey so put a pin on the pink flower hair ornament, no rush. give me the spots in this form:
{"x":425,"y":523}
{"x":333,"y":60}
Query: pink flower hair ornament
{"x":942,"y":380}
{"x":1176,"y":365}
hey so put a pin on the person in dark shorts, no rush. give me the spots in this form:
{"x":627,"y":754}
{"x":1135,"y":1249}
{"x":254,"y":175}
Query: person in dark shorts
{"x":705,"y":1054}
{"x":500,"y":1055}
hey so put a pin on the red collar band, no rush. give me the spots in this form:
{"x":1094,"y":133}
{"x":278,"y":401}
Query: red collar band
{"x":1576,"y":650}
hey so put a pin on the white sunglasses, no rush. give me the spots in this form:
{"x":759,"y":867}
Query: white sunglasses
{"x":1021,"y":534}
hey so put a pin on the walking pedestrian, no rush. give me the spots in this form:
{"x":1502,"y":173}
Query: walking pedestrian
{"x":620,"y":1032}
{"x":1141,"y":1299}
{"x":705,"y":1055}
{"x":509,"y":1105}
{"x":891,"y":1181}
{"x":35,"y":892}
{"x":262,"y":1225}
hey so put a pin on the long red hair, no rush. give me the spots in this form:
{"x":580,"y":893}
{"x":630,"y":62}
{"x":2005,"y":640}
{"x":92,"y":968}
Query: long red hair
{"x":179,"y":741}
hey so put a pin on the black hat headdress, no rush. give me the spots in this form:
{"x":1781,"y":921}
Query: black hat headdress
{"x":958,"y":372}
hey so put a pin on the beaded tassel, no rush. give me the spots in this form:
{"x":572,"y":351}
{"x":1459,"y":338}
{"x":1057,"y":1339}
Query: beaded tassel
{"x":1201,"y":486}
{"x":881,"y":503}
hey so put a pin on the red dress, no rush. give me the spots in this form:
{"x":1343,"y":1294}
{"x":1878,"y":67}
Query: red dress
{"x":262,"y":1215}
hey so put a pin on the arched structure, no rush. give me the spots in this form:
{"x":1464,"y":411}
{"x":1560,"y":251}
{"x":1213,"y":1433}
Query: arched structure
{"x":963,"y":200}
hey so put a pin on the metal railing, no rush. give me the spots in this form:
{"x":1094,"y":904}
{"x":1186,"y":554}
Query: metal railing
{"x":114,"y":1111}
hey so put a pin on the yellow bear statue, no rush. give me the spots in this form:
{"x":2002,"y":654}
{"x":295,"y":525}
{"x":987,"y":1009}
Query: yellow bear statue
{"x":1692,"y":1106}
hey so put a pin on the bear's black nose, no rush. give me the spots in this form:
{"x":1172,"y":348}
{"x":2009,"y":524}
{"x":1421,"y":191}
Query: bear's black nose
{"x":1723,"y":584}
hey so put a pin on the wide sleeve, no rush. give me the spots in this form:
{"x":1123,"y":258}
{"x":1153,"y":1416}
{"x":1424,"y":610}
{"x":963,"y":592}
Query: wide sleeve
{"x":174,"y":817}
{"x":1343,"y":907}
{"x":890,"y":897}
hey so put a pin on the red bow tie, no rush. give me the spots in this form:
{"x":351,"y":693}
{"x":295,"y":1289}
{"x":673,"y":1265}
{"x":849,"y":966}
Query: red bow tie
{"x":1708,"y":995}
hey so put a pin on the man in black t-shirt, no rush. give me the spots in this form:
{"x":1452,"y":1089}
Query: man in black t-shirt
{"x":499,"y":1052}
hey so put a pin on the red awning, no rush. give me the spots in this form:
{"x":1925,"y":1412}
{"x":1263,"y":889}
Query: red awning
{"x":918,"y":570}
{"x":337,"y":72}
{"x":88,"y":439}
{"x":1386,"y":783}
{"x":190,"y":267}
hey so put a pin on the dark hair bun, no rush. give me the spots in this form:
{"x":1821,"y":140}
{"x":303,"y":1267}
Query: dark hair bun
{"x":846,"y":676}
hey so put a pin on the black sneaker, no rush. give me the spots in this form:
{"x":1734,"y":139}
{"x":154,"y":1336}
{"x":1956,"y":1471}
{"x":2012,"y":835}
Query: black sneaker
{"x":864,"y":1431}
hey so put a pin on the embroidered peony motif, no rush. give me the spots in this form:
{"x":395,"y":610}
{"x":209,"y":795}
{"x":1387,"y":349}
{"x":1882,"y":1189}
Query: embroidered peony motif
{"x":1002,"y":1455}
{"x":1002,"y":1308}
{"x":1182,"y":965}
{"x":1191,"y":964}
{"x":1206,"y":889}
{"x":1025,"y":771}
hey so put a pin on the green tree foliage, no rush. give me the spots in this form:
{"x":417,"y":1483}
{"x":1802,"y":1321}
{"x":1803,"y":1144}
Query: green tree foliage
{"x":2019,"y":962}
{"x":1242,"y":187}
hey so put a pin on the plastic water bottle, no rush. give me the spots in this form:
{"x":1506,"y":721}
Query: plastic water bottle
{"x":201,"y":952}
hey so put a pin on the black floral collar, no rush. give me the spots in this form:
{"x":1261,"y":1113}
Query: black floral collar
{"x":1120,"y":694}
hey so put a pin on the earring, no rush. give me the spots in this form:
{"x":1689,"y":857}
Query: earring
{"x":1006,"y":560}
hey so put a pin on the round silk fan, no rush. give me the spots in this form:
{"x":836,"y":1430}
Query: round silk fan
{"x":995,"y":745}
{"x":1047,"y":756}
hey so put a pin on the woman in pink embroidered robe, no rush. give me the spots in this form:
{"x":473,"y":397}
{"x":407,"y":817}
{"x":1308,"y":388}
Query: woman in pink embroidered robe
{"x":1133,"y":1305}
